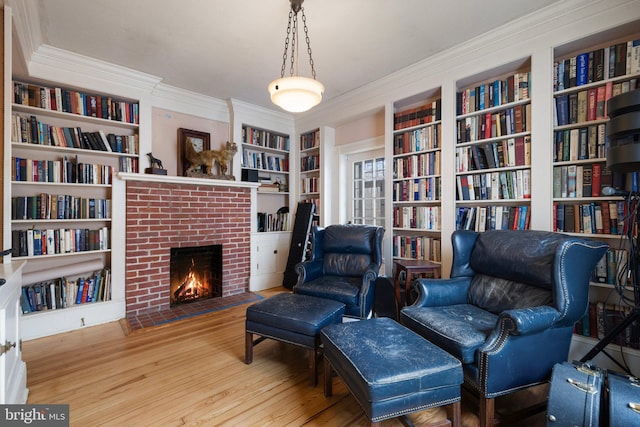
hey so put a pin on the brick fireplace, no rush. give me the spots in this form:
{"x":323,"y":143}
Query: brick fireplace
{"x":162,"y":215}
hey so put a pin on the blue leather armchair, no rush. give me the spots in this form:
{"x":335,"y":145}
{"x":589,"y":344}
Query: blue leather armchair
{"x":508,"y":310}
{"x":345,"y":261}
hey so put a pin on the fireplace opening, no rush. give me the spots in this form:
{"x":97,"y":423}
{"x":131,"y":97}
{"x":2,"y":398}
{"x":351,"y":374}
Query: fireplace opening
{"x":195,"y":274}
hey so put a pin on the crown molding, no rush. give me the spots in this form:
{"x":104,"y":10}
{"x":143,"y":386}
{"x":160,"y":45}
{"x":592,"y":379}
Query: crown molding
{"x":554,"y":25}
{"x":26,"y":25}
{"x":260,"y":116}
{"x":188,"y":102}
{"x":63,"y":66}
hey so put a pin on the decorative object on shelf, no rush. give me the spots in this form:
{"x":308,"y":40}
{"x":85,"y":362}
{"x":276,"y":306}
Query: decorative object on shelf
{"x":198,"y":140}
{"x":156,"y":166}
{"x":202,"y":162}
{"x":294,"y":93}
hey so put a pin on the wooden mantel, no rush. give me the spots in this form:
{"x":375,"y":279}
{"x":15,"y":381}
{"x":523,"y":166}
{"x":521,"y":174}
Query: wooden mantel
{"x":185,"y":180}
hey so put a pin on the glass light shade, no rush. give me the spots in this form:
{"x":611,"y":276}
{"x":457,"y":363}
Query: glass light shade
{"x":296,"y":94}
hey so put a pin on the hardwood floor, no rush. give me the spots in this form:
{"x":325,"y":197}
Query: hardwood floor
{"x":185,"y":373}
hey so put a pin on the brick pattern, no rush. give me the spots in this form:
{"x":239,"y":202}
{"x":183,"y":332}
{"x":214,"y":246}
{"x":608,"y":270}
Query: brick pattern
{"x":165,"y":215}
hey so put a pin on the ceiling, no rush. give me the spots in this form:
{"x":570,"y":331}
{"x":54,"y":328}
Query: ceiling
{"x":234,"y":48}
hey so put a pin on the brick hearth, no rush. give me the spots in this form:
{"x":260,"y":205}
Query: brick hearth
{"x":162,"y":215}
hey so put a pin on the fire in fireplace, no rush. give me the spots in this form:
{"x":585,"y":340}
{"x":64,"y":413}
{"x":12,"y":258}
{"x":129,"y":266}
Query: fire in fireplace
{"x":195,"y":274}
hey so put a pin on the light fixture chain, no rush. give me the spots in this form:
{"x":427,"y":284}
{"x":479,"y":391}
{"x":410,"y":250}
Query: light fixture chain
{"x":294,"y":44}
{"x":286,"y":44}
{"x":306,"y":34}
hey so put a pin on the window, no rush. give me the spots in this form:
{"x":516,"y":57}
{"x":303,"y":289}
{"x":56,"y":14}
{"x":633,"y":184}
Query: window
{"x":367,"y":190}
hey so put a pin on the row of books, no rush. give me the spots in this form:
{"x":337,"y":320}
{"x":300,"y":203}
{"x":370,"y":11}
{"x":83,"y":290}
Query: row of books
{"x":417,"y":165}
{"x":76,"y":102}
{"x":602,"y":318}
{"x":264,"y":161}
{"x":417,"y":217}
{"x":485,"y":218}
{"x":590,"y":218}
{"x":587,"y":142}
{"x":611,"y":268}
{"x":505,"y":153}
{"x":310,"y":163}
{"x":493,"y":94}
{"x":493,"y":125}
{"x":32,"y":131}
{"x":129,"y":164}
{"x":310,"y":140}
{"x":273,"y":221}
{"x":425,"y":138}
{"x":416,"y":247}
{"x":584,"y":180}
{"x":269,"y":187}
{"x":60,"y":171}
{"x":507,"y":185}
{"x":37,"y":242}
{"x":309,"y":185}
{"x":416,"y":116}
{"x":265,"y":138}
{"x":63,"y":293}
{"x":59,"y":206}
{"x":617,"y":60}
{"x":418,"y":189}
{"x":589,"y":104}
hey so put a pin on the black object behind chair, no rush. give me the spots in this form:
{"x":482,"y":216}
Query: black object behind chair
{"x":345,"y":261}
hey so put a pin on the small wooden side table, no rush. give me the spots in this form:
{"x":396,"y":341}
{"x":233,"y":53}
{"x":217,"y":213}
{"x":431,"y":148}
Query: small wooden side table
{"x":411,"y":267}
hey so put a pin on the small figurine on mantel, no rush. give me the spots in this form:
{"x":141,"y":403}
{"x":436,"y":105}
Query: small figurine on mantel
{"x":201,"y":163}
{"x":156,"y":166}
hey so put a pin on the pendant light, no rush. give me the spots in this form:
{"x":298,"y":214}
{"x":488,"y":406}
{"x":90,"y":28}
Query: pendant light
{"x":295,"y":93}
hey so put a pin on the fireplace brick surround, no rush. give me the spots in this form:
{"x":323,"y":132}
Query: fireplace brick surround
{"x":162,"y":215}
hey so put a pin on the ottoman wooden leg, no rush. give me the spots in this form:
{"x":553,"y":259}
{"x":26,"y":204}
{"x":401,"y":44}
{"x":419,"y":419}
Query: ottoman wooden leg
{"x":454,"y":413}
{"x":313,"y":380}
{"x":328,"y":373}
{"x":248,"y":348}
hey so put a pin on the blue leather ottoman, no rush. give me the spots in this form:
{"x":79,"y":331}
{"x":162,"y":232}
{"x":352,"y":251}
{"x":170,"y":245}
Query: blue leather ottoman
{"x":294,"y":319}
{"x":390,"y":370}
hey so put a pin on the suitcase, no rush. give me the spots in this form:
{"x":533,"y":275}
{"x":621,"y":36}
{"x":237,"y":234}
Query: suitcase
{"x":575,"y":395}
{"x":624,"y":400}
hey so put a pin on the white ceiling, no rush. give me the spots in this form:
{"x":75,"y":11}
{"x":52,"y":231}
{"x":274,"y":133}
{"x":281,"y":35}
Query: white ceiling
{"x":233,"y":48}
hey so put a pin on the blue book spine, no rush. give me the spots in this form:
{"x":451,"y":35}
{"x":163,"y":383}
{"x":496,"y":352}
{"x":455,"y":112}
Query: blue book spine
{"x":560,"y":217}
{"x":560,"y":75}
{"x":582,"y":71}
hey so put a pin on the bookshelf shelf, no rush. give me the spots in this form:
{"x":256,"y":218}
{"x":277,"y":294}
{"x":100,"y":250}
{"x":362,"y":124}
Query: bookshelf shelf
{"x":64,"y":158}
{"x":416,"y":159}
{"x":309,"y":167}
{"x":493,"y":149}
{"x":76,"y":118}
{"x":585,"y":76}
{"x":267,"y":153}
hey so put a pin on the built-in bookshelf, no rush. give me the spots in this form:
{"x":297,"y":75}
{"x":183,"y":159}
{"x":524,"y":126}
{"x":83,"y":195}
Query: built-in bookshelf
{"x":310,"y":168}
{"x":417,"y":148}
{"x":265,"y":154}
{"x":586,"y":74}
{"x":66,"y":145}
{"x":493,"y":150}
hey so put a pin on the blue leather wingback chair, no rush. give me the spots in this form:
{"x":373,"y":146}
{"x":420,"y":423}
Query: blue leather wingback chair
{"x":345,"y":261}
{"x":508,"y":310}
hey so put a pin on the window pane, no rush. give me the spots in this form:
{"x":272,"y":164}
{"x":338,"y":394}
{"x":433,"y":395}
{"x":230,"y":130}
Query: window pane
{"x":357,"y":209}
{"x":357,"y":171}
{"x":368,"y":169}
{"x":357,"y":189}
{"x":368,"y":192}
{"x":380,"y":168}
{"x":379,"y":188}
